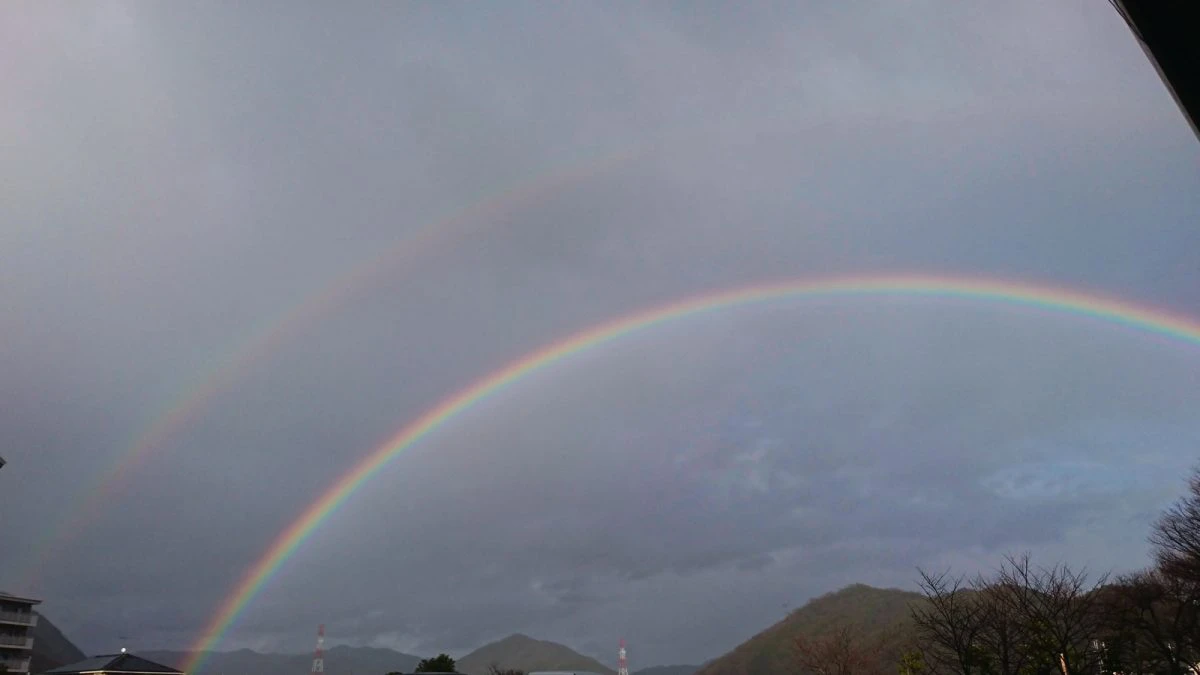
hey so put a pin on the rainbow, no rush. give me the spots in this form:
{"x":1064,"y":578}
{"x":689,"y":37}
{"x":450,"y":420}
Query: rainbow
{"x":195,"y":398}
{"x":1045,"y":298}
{"x":268,"y":337}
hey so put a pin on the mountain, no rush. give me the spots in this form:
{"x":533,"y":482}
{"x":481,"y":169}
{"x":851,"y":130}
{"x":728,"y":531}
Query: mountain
{"x":667,"y":670}
{"x":881,"y":615}
{"x":525,"y":653}
{"x":340,"y":660}
{"x":51,"y":648}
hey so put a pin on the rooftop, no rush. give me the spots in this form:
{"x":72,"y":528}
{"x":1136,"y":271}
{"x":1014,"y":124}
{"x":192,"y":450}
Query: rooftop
{"x":114,"y":663}
{"x":16,"y":598}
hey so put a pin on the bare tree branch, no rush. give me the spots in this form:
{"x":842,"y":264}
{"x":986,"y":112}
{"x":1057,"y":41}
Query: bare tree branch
{"x":1059,"y":607}
{"x":1005,"y":637}
{"x":949,"y":625}
{"x":1158,"y":618}
{"x":1175,"y":539}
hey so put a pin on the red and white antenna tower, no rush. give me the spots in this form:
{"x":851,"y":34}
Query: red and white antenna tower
{"x":622,"y":664}
{"x":319,"y":655}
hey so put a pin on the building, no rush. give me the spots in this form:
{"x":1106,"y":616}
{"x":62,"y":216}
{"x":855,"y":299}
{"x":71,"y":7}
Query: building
{"x":17,"y":620}
{"x":115,"y":664}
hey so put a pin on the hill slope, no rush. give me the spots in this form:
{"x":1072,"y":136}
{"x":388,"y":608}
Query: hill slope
{"x":882,"y":615}
{"x":527,"y":654}
{"x":667,"y":670}
{"x":340,"y":660}
{"x":51,"y":648}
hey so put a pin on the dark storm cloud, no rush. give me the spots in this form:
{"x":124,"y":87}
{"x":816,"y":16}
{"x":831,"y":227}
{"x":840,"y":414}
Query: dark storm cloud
{"x":178,"y":178}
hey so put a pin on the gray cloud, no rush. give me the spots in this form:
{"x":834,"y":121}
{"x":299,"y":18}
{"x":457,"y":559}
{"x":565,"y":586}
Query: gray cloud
{"x":177,"y":180}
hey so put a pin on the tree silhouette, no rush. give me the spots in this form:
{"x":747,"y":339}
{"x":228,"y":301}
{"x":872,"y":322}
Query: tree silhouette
{"x":950,"y":625}
{"x":442,"y":663}
{"x":1061,"y":609}
{"x":1153,"y":619}
{"x":1175,"y":540}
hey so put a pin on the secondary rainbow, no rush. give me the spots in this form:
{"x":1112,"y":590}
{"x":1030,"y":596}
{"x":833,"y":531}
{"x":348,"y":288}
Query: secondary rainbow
{"x":187,"y":406}
{"x":270,"y":335}
{"x":1045,"y":298}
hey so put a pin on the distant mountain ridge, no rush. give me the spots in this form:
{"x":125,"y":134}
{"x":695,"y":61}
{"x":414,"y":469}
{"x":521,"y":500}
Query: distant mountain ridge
{"x":51,"y":649}
{"x":527,"y":654}
{"x":340,"y":660}
{"x":882,"y":615}
{"x":516,"y":651}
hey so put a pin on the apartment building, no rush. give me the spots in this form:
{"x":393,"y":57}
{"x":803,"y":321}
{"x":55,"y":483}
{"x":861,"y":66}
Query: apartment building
{"x":16,"y":632}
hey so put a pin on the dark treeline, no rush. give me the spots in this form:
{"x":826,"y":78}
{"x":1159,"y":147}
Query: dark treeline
{"x":1031,"y":619}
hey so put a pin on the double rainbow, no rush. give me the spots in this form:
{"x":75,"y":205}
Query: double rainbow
{"x":267,"y":338}
{"x":1098,"y":308}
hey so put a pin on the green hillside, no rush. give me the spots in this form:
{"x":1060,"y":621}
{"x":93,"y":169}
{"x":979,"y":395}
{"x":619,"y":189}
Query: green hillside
{"x":881,"y":615}
{"x":667,"y":670}
{"x":525,"y":653}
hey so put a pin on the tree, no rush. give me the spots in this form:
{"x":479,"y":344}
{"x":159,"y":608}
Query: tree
{"x":1022,"y":621}
{"x":1175,"y":538}
{"x":1059,"y":609}
{"x":1004,"y":637}
{"x":1153,"y":619}
{"x":912,"y":662}
{"x":840,"y":652}
{"x":442,"y":663}
{"x":949,"y":626}
{"x":495,"y":669}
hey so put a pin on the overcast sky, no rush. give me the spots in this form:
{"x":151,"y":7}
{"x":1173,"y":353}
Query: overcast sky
{"x":177,"y":178}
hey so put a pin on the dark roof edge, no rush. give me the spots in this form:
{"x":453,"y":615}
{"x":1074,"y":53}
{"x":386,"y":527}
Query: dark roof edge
{"x":123,"y":663}
{"x":135,"y":672}
{"x":10,"y":596}
{"x":1162,"y":29}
